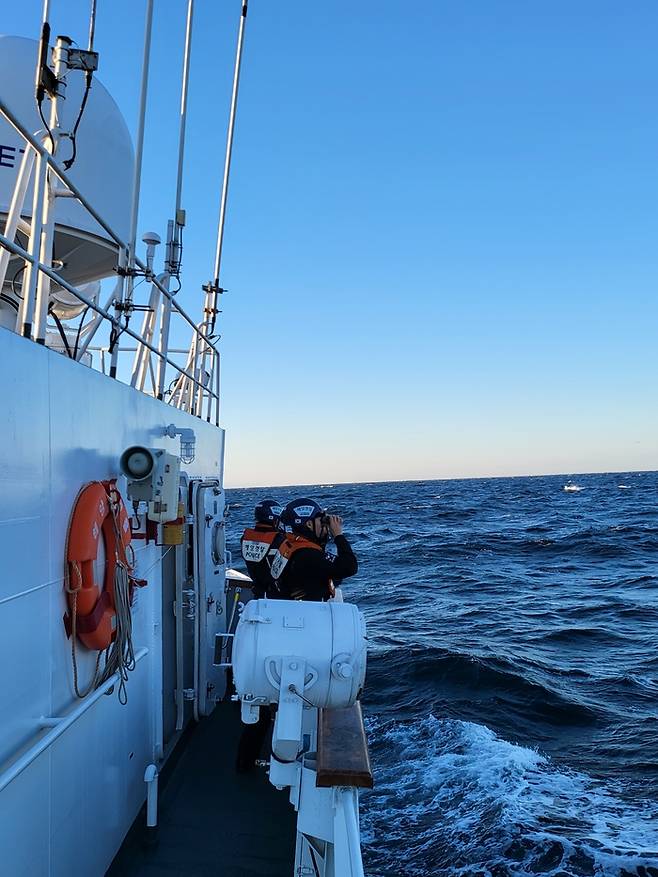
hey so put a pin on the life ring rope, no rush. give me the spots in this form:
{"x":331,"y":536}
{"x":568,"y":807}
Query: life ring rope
{"x":105,"y":625}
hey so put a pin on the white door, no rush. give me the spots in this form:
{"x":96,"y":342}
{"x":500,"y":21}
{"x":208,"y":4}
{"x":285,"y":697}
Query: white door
{"x":209,"y":575}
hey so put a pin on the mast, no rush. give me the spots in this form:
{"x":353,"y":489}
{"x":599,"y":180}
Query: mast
{"x":174,"y":243}
{"x":229,"y":146}
{"x":129,"y":257}
{"x":212,"y":289}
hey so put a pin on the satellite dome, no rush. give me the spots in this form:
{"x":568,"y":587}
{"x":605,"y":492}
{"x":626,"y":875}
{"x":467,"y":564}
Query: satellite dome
{"x":103,"y":169}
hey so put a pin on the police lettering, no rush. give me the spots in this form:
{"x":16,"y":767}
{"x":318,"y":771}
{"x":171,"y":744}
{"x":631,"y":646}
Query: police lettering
{"x":254,"y":551}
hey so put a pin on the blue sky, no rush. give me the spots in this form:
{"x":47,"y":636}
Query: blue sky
{"x":441,"y":243}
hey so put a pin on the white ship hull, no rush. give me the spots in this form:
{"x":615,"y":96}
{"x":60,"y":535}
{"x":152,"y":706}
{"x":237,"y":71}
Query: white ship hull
{"x":64,"y":425}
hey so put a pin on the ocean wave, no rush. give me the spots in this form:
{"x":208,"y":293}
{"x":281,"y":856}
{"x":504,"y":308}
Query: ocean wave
{"x":605,"y":543}
{"x":424,"y":677}
{"x":509,"y":604}
{"x":572,"y":635}
{"x":452,"y":799}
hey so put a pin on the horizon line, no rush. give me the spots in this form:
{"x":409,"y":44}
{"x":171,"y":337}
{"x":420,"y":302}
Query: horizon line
{"x":452,"y":478}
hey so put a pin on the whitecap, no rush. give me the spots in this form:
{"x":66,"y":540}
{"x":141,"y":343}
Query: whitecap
{"x":452,"y":798}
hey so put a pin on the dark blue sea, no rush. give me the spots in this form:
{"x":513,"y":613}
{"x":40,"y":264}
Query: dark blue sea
{"x":512,"y":689}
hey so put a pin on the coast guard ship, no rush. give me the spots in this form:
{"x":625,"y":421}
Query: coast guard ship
{"x":120,"y":616}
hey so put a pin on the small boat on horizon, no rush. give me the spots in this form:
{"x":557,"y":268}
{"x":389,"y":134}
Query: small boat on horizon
{"x":570,"y":487}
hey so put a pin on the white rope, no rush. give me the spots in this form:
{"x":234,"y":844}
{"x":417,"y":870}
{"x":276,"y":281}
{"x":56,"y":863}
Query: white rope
{"x":120,"y":654}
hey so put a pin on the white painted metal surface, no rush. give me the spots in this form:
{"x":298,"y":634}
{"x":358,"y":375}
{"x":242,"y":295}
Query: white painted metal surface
{"x":65,"y":425}
{"x":208,"y":505}
{"x":326,"y":640}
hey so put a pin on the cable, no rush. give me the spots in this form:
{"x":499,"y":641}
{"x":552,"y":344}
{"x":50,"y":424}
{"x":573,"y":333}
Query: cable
{"x":157,"y":561}
{"x":73,"y":135}
{"x":116,"y":334}
{"x":315,"y":864}
{"x":60,"y":328}
{"x":15,"y":278}
{"x":293,"y":690}
{"x":10,"y":301}
{"x":77,"y":335}
{"x":46,"y":125}
{"x":180,"y":259}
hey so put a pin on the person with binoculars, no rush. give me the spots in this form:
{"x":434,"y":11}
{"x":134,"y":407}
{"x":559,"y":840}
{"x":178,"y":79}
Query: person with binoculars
{"x":302,"y":567}
{"x":287,"y":558}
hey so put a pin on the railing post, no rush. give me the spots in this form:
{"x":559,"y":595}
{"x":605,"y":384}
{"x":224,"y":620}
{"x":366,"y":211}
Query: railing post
{"x":16,"y":206}
{"x":196,"y":401}
{"x":96,"y":322}
{"x":25,"y":316}
{"x":172,"y":267}
{"x":142,"y":355}
{"x":61,"y":54}
{"x":217,"y":386}
{"x":163,"y":347}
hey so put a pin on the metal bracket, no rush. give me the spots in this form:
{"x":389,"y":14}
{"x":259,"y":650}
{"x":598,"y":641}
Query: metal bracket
{"x":82,"y":59}
{"x":212,"y":287}
{"x":189,"y":607}
{"x":189,"y":694}
{"x":221,"y":643}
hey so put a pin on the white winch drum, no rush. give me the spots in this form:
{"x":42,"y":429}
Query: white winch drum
{"x":328,"y":637}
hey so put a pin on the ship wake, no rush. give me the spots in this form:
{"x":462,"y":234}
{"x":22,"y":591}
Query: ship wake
{"x":452,"y":798}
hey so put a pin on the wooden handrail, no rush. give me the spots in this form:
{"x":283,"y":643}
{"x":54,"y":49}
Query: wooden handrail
{"x":343,"y":758}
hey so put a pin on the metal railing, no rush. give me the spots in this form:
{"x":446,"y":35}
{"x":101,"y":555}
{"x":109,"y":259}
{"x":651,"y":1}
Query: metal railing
{"x":192,"y":388}
{"x":59,"y":724}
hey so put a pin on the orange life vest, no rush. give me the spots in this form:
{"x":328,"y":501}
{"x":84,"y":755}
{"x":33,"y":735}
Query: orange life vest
{"x":286,"y":550}
{"x":255,"y":544}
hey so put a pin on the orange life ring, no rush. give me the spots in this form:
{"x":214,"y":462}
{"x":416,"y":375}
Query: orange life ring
{"x":99,"y":508}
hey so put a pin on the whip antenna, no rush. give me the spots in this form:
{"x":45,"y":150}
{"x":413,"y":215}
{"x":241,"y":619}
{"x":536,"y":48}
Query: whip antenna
{"x":213,"y":286}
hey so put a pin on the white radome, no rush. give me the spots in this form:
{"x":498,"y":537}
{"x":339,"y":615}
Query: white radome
{"x":103,"y":170}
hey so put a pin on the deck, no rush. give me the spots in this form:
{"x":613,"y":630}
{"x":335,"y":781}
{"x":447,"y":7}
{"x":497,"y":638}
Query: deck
{"x":213,"y":822}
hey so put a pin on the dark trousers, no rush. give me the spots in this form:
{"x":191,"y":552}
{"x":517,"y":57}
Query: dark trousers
{"x":252,"y":740}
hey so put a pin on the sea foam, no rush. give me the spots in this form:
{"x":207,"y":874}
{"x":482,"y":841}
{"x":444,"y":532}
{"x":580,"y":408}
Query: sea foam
{"x":452,"y":798}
